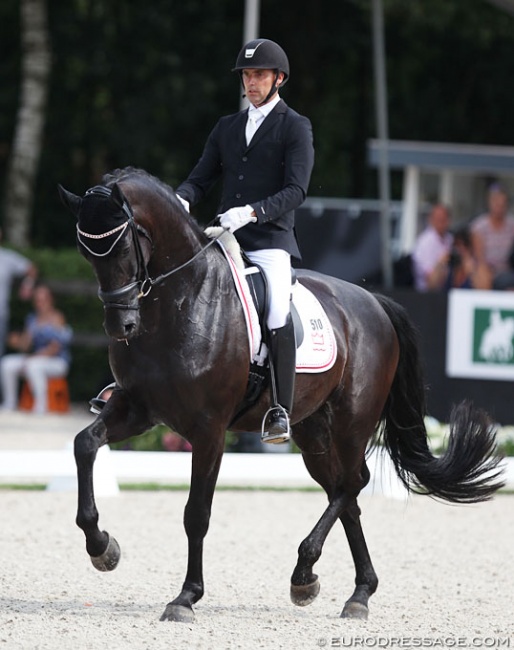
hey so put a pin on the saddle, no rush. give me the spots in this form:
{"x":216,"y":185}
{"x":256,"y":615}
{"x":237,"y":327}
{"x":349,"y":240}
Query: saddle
{"x":258,"y":285}
{"x":255,"y":279}
{"x":315,"y":340}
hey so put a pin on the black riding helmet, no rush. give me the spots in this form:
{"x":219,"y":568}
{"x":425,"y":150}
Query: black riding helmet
{"x":263,"y":54}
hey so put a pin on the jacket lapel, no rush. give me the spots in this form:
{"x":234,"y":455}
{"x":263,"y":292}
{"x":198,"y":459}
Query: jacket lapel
{"x":239,"y":127}
{"x":268,"y":124}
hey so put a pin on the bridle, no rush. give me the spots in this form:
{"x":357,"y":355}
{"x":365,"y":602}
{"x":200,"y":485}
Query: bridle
{"x":143,"y":284}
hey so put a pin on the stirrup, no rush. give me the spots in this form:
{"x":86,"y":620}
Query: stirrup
{"x":97,"y":403}
{"x":273,"y":430}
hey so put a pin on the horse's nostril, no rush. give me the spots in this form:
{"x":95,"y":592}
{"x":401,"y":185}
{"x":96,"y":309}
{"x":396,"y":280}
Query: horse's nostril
{"x":130,"y":327}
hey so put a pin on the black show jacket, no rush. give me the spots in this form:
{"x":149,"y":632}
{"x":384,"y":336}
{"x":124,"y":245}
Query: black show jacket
{"x":272,"y":174}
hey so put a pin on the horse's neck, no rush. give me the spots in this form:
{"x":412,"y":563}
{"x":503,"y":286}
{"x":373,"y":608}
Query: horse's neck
{"x":191,"y":258}
{"x":175,"y":244}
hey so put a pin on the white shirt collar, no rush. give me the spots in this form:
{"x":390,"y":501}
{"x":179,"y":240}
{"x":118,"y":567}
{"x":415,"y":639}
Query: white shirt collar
{"x":265,"y":110}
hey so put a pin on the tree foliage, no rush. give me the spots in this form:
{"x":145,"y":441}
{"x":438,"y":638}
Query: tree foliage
{"x":143,"y":84}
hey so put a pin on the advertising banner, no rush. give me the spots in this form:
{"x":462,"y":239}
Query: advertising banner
{"x":480,"y":334}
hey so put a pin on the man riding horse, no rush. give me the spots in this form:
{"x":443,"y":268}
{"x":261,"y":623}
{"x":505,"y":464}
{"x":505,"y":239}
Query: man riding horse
{"x":264,"y":156}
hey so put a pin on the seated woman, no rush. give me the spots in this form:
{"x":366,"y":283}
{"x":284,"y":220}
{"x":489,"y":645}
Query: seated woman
{"x":44,"y":351}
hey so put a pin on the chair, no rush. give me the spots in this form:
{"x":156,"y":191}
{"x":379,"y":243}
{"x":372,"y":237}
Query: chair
{"x":58,"y":396}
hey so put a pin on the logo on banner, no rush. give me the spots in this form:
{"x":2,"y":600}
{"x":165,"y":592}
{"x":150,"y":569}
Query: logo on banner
{"x":493,"y":333}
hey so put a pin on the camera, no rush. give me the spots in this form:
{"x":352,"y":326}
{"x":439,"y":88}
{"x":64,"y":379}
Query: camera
{"x":454,"y":259}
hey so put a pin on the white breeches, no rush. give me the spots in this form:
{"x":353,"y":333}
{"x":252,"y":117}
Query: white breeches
{"x":37,"y":370}
{"x":276,"y":265}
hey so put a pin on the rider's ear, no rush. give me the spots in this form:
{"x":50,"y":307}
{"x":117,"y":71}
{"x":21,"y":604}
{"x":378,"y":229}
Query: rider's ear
{"x":117,"y":196}
{"x":71,"y":201}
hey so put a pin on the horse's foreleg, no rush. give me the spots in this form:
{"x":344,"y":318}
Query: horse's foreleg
{"x":103,"y":549}
{"x":205,"y":468}
{"x":366,"y":580}
{"x":117,"y":421}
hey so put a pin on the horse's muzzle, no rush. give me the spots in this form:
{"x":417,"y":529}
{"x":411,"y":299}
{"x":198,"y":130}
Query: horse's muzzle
{"x":122,"y":318}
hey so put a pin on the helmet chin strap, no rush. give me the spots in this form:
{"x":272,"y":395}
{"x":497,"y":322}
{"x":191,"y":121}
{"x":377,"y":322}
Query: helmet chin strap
{"x":273,"y":90}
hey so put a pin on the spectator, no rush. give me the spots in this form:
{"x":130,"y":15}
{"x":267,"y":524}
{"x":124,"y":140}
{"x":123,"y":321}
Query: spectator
{"x":464,"y":271}
{"x":505,"y":281}
{"x":432,"y":251}
{"x":493,"y":232}
{"x":13,"y":265}
{"x":43,"y":352}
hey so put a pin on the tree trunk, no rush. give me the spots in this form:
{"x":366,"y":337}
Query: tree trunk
{"x":28,"y":135}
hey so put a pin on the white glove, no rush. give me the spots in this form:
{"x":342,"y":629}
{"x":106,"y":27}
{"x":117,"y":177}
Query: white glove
{"x":184,"y":202}
{"x":236,"y":218}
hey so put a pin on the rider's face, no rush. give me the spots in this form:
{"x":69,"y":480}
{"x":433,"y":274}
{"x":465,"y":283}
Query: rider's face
{"x":257,"y":84}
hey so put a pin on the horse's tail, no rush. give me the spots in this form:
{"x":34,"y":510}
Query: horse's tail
{"x":467,"y":472}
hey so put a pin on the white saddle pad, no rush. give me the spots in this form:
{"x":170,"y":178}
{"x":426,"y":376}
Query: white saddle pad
{"x":318,"y":350}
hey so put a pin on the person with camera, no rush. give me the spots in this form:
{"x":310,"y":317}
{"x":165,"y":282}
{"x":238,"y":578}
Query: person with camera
{"x":464,"y":270}
{"x":443,"y":261}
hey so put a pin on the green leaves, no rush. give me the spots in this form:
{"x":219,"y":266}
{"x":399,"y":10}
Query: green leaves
{"x":143,"y":84}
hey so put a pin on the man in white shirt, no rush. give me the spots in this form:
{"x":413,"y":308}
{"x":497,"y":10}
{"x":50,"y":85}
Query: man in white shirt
{"x":432,"y":251}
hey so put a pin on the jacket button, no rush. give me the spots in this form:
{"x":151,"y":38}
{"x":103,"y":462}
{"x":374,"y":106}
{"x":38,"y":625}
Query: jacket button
{"x":245,"y":158}
{"x":238,"y":196}
{"x":241,"y":177}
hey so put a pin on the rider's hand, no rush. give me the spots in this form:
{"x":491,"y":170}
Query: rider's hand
{"x":236,"y":218}
{"x":184,"y":202}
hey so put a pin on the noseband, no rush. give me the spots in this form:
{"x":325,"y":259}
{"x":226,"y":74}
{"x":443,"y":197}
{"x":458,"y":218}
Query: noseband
{"x":144,"y":283}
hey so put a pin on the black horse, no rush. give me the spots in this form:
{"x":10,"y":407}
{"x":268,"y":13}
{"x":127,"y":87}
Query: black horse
{"x":180,"y":356}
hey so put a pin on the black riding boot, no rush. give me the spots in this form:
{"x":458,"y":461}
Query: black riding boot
{"x":282,"y":343}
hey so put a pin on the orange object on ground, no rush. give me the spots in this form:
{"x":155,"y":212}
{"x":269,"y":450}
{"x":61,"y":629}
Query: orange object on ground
{"x":58,"y":396}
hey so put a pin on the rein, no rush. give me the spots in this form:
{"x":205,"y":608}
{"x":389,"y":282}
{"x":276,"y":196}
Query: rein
{"x":144,"y":286}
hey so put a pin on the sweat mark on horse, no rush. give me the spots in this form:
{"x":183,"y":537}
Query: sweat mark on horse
{"x":179,"y":354}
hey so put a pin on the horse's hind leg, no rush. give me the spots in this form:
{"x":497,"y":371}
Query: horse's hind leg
{"x":304,"y":583}
{"x":366,"y":580}
{"x":342,"y":476}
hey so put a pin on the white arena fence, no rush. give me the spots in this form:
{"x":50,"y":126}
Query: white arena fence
{"x":53,"y":464}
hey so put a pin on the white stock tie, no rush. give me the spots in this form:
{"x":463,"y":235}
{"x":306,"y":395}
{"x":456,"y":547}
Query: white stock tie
{"x":251,"y":125}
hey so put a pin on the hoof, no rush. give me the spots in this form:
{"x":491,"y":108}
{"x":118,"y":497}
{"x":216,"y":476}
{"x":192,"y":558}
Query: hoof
{"x":178,"y":613}
{"x":109,"y":559}
{"x":303,"y":595}
{"x":356,"y":610}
